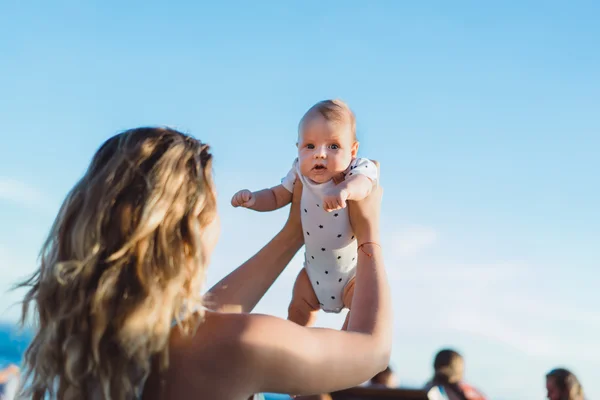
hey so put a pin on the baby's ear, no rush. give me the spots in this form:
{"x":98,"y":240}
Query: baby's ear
{"x":354,"y":150}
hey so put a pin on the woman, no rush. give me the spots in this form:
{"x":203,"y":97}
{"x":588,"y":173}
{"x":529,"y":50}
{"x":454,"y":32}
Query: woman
{"x":116,"y":291}
{"x":562,"y":384}
{"x":449,"y":368}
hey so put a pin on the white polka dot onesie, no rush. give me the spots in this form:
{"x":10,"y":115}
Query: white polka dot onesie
{"x":330,"y":246}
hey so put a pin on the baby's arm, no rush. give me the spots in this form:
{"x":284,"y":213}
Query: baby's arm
{"x":358,"y":181}
{"x":268,"y":199}
{"x":357,"y":187}
{"x":263,"y":200}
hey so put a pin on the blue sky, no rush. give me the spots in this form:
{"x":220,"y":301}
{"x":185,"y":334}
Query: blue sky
{"x":484,"y":118}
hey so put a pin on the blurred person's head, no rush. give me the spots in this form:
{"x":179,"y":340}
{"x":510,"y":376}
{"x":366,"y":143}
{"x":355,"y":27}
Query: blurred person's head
{"x":562,"y":384}
{"x":448,"y":367}
{"x":385,"y":378}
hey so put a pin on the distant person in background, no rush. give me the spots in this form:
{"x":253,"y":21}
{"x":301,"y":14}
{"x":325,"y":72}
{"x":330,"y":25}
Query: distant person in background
{"x":449,"y":367}
{"x":9,"y":381}
{"x":562,"y":384}
{"x":384,"y":379}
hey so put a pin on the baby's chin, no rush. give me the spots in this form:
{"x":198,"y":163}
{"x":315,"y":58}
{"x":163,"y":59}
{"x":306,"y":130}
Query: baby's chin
{"x":320,"y":177}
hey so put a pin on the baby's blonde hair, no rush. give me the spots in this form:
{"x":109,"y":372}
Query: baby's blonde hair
{"x":122,"y":261}
{"x":332,"y":110}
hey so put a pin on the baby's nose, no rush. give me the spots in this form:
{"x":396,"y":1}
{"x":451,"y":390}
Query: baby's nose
{"x":321,"y":152}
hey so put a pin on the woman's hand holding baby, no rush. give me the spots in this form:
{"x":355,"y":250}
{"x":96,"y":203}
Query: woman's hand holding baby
{"x":243,"y":198}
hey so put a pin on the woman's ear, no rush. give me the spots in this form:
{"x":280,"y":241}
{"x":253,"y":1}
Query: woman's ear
{"x":354,"y":150}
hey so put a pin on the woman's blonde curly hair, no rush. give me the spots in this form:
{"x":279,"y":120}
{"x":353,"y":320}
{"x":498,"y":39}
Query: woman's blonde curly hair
{"x":123,"y":260}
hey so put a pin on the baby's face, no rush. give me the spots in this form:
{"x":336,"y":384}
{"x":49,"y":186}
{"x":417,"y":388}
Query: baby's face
{"x":325,"y":149}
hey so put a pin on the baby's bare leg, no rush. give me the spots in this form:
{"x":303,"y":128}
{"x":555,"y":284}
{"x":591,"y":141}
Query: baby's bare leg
{"x":348,"y":295}
{"x":305,"y":304}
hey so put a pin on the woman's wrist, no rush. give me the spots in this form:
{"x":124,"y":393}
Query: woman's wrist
{"x":368,"y":236}
{"x":292,"y":235}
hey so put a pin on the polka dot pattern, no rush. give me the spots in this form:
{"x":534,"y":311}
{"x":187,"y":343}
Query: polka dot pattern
{"x":339,"y":254}
{"x":330,"y":244}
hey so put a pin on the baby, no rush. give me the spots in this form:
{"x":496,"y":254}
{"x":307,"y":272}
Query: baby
{"x":331,"y":174}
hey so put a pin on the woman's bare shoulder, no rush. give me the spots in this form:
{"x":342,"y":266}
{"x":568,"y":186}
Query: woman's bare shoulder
{"x":205,"y":361}
{"x":217,"y":334}
{"x":267,"y":354}
{"x":228,"y":344}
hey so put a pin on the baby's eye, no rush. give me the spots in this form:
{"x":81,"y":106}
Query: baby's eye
{"x":310,"y":146}
{"x":334,"y":147}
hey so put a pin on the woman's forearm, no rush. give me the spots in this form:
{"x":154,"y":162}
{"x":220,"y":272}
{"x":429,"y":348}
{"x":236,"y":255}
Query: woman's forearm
{"x":243,"y":288}
{"x":371,"y":305}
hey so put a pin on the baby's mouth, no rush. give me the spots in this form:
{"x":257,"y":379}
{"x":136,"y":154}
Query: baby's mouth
{"x":319,"y":167}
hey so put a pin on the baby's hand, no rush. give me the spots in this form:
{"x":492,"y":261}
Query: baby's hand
{"x":243,"y":198}
{"x":335,"y":198}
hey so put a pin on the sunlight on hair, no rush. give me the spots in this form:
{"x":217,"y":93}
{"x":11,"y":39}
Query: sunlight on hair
{"x":123,"y":260}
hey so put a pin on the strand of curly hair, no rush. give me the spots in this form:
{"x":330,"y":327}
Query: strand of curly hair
{"x":122,"y":260}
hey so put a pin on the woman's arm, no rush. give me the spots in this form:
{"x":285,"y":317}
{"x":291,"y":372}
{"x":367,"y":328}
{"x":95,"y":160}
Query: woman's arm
{"x":274,"y":355}
{"x":243,"y":288}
